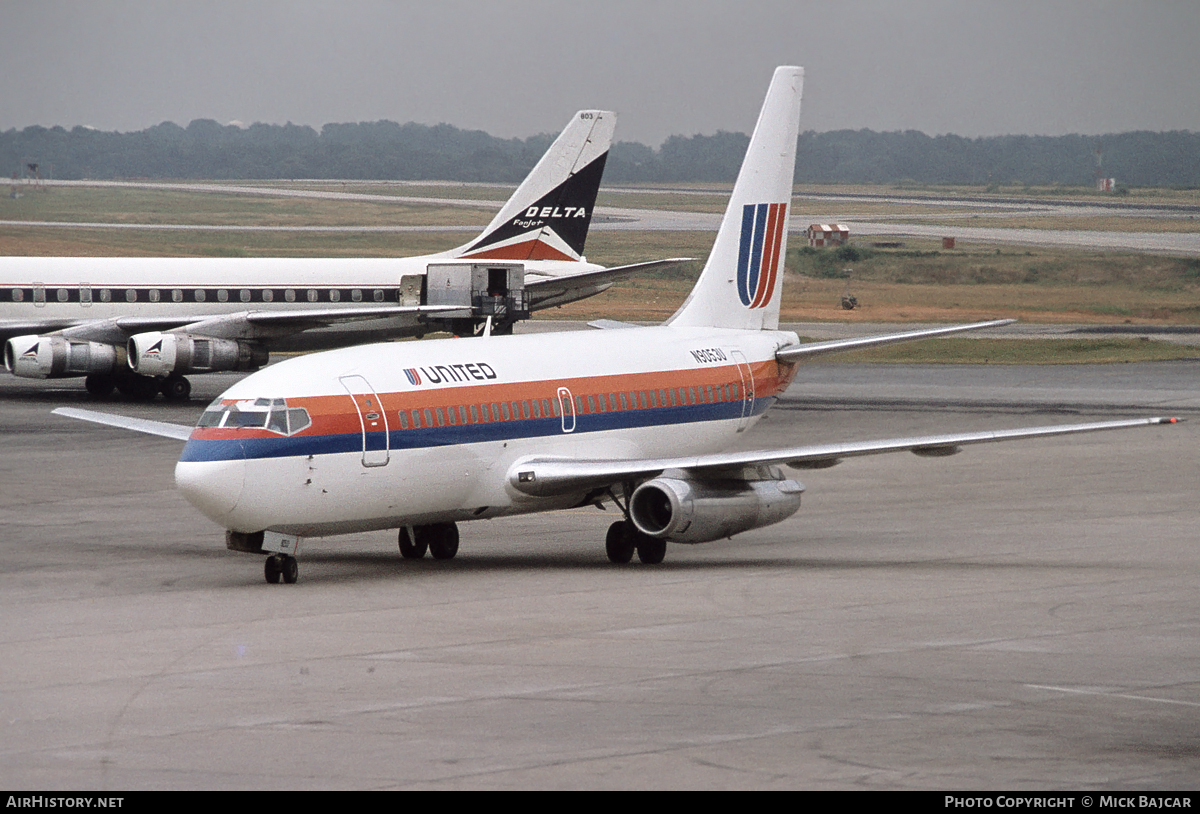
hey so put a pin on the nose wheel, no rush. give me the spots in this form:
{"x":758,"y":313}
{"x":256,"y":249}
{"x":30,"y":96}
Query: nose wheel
{"x":282,"y":566}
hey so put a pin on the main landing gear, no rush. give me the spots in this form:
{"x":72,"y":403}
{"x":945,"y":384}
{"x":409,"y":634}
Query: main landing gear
{"x":137,"y":387}
{"x":439,"y":539}
{"x":624,"y":539}
{"x":281,"y":565}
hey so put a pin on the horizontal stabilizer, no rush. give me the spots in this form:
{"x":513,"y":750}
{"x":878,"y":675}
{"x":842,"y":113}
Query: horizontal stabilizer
{"x":547,"y":291}
{"x":163,"y":428}
{"x":798,"y":353}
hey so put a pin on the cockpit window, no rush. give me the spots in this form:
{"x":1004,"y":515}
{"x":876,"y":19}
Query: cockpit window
{"x":270,"y":414}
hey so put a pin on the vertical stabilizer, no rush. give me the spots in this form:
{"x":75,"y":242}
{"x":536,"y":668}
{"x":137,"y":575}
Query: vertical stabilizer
{"x":547,"y":218}
{"x":742,"y":280}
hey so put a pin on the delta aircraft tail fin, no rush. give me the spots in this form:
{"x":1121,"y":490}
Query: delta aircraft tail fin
{"x":547,"y":218}
{"x":741,"y":282}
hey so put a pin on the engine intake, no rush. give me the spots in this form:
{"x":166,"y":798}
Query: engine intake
{"x":54,"y":357}
{"x":683,"y":510}
{"x":163,"y":354}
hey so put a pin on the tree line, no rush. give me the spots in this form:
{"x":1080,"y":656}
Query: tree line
{"x":387,"y":150}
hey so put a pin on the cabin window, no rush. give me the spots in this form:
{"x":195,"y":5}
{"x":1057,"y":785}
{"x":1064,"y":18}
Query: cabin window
{"x":378,"y":295}
{"x":462,"y":414}
{"x":710,"y":398}
{"x":653,"y":398}
{"x":130,"y":295}
{"x":155,"y":295}
{"x":450,"y":416}
{"x":312,"y":295}
{"x":624,"y":402}
{"x":244,"y":295}
{"x":537,"y":409}
{"x":428,"y":418}
{"x":441,"y":417}
{"x":200,"y":295}
{"x":335,"y":295}
{"x":416,"y":419}
{"x":176,"y":295}
{"x":525,"y":409}
{"x":18,"y":295}
{"x":546,"y":407}
{"x":504,"y":410}
{"x":734,"y":388}
{"x":475,"y":413}
{"x":403,"y":420}
{"x":62,"y":294}
{"x":105,"y":295}
{"x":268,"y":295}
{"x":222,"y":295}
{"x":356,"y":295}
{"x":289,"y":295}
{"x":554,"y":407}
{"x":592,"y":403}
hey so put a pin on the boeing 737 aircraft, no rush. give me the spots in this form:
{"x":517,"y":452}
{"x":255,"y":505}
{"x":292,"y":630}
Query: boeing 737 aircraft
{"x":422,"y":436}
{"x":142,"y":324}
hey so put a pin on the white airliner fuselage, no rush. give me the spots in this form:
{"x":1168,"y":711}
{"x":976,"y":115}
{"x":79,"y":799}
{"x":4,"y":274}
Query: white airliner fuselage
{"x":454,"y":417}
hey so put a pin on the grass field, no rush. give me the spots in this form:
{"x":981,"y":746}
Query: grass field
{"x":918,"y":282}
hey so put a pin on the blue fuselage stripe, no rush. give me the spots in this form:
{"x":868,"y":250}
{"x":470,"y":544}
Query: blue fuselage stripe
{"x":430,"y":437}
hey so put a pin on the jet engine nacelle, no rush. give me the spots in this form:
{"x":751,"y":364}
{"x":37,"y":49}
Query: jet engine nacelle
{"x":53,"y":357}
{"x":690,"y":511}
{"x":163,"y":354}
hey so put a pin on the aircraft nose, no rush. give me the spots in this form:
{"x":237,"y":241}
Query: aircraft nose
{"x":213,"y":487}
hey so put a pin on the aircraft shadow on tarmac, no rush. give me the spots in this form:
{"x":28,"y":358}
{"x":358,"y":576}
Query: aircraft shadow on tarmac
{"x":332,"y":568}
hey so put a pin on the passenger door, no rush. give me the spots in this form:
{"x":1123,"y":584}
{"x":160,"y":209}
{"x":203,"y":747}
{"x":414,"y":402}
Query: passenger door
{"x":371,"y":415}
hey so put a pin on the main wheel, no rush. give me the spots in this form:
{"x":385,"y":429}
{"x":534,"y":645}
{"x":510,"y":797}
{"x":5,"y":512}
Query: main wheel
{"x":619,"y":544}
{"x":138,"y":387}
{"x":651,"y":550}
{"x":291,"y":570}
{"x":100,"y":385}
{"x":273,"y":569}
{"x":176,"y":388}
{"x":443,"y":541}
{"x":410,"y":550}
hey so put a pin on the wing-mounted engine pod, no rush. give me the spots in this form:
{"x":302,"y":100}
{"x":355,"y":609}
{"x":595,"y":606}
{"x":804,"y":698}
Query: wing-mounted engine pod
{"x":683,"y":510}
{"x":164,"y":354}
{"x":54,"y":357}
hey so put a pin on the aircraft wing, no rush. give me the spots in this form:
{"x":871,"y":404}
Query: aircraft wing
{"x":163,"y":428}
{"x":239,"y":325}
{"x":798,"y":353}
{"x":544,"y":477}
{"x":547,"y":291}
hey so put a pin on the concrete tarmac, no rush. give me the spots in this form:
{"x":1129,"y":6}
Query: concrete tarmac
{"x":1019,"y":616}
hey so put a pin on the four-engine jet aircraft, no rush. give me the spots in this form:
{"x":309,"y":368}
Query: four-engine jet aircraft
{"x":421,"y":436}
{"x":142,"y":324}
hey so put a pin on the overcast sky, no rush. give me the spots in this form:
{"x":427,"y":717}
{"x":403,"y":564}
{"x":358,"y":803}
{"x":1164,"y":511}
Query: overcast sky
{"x":519,"y":67}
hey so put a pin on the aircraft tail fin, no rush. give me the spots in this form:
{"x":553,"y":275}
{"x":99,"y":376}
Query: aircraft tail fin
{"x":547,"y":218}
{"x":741,"y":283}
